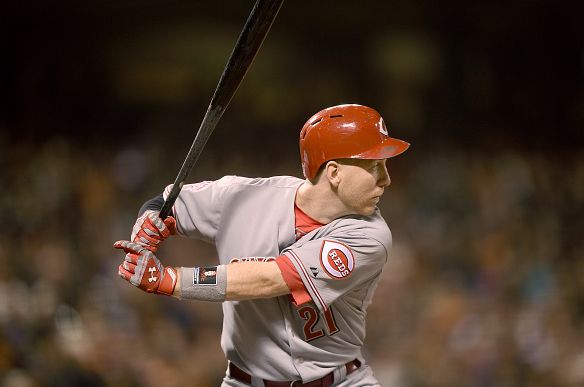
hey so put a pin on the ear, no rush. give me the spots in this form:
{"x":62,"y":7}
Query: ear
{"x":332,"y":173}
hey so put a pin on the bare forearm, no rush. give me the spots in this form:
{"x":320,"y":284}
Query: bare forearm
{"x":249,"y":280}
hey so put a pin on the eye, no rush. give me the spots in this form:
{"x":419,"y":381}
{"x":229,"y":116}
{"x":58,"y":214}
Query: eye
{"x":377,"y":166}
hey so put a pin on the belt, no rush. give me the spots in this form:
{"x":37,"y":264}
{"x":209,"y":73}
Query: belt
{"x":237,"y":373}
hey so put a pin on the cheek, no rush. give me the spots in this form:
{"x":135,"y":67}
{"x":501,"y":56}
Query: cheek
{"x":351,"y":192}
{"x":367,"y":182}
{"x":358,"y":189}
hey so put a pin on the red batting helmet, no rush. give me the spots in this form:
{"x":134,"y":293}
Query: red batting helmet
{"x":342,"y":132}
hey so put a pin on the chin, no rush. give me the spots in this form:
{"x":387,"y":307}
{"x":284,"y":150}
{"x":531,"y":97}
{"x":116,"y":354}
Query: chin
{"x":368,"y":211}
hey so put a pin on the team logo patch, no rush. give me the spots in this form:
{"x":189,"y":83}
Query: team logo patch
{"x":336,"y":259}
{"x":205,"y":276}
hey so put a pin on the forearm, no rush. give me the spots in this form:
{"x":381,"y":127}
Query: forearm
{"x":250,"y":280}
{"x":244,"y":281}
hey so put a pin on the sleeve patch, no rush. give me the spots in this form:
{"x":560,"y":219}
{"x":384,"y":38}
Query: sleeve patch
{"x":336,"y":259}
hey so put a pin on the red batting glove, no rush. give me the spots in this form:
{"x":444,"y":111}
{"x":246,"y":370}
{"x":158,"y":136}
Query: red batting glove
{"x":150,"y":231}
{"x":142,"y":269}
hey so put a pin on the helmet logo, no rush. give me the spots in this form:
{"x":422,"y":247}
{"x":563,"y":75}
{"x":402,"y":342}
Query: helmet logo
{"x":382,"y":127}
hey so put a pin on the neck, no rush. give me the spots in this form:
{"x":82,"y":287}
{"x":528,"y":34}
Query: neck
{"x":319,"y":202}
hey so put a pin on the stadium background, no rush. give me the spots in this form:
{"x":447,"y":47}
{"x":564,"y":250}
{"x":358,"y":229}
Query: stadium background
{"x":100,"y":101}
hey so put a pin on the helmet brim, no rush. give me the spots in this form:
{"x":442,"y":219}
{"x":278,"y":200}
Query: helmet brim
{"x":390,"y":147}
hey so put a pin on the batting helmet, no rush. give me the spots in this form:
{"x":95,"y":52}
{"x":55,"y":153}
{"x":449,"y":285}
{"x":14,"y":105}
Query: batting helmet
{"x":345,"y":131}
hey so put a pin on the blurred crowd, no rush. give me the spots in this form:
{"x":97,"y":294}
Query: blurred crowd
{"x":484,"y":286}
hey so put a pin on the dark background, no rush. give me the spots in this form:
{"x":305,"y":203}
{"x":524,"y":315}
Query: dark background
{"x":100,"y":101}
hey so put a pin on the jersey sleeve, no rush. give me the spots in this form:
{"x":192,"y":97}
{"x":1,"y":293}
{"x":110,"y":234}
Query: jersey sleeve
{"x":197,"y":209}
{"x":298,"y":292}
{"x":334,"y":266}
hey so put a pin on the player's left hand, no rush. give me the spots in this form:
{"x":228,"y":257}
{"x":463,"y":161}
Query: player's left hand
{"x":142,"y":269}
{"x":150,"y":231}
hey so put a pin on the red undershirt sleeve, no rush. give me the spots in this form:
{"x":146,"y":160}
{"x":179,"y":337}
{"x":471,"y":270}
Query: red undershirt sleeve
{"x":298,"y":292}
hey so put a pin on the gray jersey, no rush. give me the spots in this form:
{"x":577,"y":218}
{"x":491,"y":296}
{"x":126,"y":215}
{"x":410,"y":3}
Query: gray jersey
{"x":339,"y":265}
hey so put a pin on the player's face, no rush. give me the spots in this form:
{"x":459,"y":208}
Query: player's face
{"x":362,"y":184}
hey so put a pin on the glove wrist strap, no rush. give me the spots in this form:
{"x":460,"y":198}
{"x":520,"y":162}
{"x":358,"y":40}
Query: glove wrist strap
{"x":168,"y":281}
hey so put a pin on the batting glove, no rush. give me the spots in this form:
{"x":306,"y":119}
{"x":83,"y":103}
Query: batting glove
{"x":149,"y":230}
{"x":142,"y":269}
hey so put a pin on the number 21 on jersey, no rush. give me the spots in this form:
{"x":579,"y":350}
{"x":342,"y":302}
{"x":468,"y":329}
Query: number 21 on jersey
{"x":311,"y":317}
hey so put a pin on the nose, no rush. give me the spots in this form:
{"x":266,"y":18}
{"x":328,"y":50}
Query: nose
{"x":384,"y":179}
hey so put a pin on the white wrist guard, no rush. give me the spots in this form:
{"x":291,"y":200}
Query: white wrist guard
{"x":203,"y":283}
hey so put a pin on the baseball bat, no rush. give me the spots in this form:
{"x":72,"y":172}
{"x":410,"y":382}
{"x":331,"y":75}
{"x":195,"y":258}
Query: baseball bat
{"x":251,"y":38}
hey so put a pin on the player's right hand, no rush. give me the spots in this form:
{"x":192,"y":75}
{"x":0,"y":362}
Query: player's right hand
{"x":142,"y":269}
{"x":149,"y":230}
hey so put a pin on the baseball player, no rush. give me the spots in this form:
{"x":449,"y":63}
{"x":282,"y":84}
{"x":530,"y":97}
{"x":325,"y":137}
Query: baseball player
{"x":299,"y":259}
